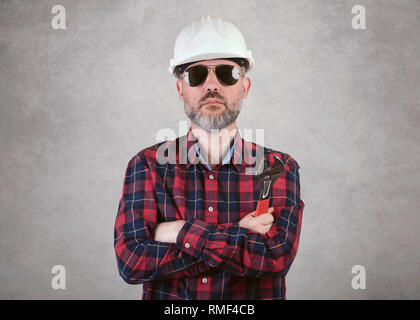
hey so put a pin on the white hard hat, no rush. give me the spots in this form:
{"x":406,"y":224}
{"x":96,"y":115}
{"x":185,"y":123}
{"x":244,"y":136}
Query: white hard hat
{"x":209,"y":38}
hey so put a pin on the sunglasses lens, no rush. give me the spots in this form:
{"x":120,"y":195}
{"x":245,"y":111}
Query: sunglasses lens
{"x":227,"y":74}
{"x":196,"y":75}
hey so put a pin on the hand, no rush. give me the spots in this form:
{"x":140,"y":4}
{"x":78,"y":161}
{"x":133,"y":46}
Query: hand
{"x":260,"y":224}
{"x":168,"y":231}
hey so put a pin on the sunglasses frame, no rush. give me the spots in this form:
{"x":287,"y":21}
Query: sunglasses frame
{"x":213,"y":67}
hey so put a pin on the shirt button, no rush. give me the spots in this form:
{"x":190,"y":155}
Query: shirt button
{"x":210,"y":209}
{"x":211,"y":177}
{"x":187,"y":245}
{"x":204,"y":280}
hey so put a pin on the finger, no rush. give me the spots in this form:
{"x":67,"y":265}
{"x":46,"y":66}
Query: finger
{"x":266,"y":224}
{"x":265,"y":229}
{"x":269,"y":210}
{"x":265,"y":218}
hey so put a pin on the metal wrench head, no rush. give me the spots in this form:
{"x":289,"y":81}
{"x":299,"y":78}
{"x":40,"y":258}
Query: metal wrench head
{"x":269,"y":176}
{"x":275,"y":171}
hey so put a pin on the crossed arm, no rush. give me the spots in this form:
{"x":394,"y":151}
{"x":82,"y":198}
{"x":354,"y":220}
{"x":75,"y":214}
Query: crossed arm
{"x":168,"y":231}
{"x":147,"y":250}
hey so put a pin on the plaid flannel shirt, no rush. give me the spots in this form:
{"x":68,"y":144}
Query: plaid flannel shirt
{"x":213,"y":257}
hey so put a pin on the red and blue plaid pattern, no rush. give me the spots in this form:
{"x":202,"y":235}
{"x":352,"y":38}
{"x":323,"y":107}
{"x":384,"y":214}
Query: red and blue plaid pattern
{"x":213,"y":258}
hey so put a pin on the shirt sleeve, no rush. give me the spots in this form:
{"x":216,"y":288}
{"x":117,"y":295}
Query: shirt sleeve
{"x":246,"y":253}
{"x":139,"y":257}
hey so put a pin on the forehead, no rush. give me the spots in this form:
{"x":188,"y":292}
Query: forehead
{"x":214,"y":62}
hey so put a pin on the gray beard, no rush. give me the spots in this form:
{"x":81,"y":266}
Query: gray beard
{"x":213,"y":121}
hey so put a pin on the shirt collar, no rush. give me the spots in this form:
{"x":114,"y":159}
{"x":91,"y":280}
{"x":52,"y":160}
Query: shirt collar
{"x":234,"y":156}
{"x":225,"y":160}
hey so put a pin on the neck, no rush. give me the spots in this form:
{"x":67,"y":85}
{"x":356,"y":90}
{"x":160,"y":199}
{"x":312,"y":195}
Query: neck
{"x":214,"y":145}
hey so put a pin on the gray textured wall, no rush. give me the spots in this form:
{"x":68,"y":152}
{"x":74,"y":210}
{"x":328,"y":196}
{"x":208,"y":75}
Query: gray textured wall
{"x":77,"y":104}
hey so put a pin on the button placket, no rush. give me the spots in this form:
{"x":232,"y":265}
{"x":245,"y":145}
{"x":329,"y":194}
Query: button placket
{"x":211,"y":203}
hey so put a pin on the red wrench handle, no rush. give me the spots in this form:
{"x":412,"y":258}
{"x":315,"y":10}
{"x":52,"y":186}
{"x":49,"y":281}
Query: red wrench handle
{"x":262,"y":207}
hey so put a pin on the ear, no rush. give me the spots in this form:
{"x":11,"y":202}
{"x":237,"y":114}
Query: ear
{"x":246,"y":84}
{"x":180,"y":89}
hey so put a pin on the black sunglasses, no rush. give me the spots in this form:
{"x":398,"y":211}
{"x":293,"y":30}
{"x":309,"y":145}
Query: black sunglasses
{"x":225,"y":73}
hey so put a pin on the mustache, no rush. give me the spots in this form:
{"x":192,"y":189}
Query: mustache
{"x":212,"y":95}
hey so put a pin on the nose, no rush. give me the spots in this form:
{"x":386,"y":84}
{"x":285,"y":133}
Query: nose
{"x":212,"y":83}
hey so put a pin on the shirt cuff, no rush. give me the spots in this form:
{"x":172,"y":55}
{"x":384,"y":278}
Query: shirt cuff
{"x":192,"y":237}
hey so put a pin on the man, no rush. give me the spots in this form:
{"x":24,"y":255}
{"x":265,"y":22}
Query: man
{"x":188,"y":229}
